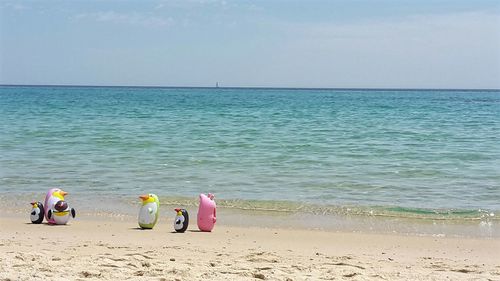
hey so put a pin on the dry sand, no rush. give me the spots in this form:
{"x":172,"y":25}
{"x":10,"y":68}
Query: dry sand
{"x":110,"y":249}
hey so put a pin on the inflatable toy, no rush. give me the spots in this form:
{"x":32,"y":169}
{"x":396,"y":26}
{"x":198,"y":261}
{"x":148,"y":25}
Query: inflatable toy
{"x":148,"y":214}
{"x":37,"y":212}
{"x":181,"y":221}
{"x":207,"y":212}
{"x":61,"y":213}
{"x":53,"y":196}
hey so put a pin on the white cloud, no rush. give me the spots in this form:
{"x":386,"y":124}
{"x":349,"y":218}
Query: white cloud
{"x":127,"y":18}
{"x":16,"y":6}
{"x":166,"y":4}
{"x":459,"y":50}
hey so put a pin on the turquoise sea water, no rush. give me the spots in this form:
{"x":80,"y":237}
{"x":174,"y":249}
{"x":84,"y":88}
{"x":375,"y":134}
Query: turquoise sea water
{"x":413,"y":152}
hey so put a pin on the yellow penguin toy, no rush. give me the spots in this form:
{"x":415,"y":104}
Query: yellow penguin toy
{"x":148,"y":214}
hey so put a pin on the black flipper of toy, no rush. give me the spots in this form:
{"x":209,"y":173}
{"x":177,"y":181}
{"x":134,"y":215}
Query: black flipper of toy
{"x":186,"y":220}
{"x":73,"y":213}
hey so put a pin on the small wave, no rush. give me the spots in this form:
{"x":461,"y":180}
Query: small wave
{"x":318,"y":209}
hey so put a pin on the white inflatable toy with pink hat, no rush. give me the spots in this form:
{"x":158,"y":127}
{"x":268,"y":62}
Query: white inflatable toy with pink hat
{"x":56,"y":209}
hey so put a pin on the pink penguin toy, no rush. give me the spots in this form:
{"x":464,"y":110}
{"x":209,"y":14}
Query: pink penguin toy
{"x":206,"y":212}
{"x":53,"y":196}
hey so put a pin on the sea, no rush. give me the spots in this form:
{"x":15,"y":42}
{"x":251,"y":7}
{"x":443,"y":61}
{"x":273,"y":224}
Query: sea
{"x":406,"y":154}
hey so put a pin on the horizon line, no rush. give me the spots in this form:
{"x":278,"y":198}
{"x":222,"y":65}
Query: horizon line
{"x":250,"y":87}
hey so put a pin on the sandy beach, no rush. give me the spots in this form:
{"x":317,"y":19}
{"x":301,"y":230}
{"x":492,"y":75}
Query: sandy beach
{"x":92,"y":248}
{"x":328,"y":140}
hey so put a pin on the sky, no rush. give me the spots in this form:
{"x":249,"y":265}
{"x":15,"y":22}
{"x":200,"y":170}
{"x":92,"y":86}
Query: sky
{"x":262,"y":43}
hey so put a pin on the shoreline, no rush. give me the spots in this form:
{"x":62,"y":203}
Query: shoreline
{"x":111,"y":248}
{"x":126,"y":210}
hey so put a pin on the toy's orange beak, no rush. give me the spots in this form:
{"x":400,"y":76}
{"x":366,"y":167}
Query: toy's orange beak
{"x":177,"y":210}
{"x":63,"y":193}
{"x":144,"y":197}
{"x":33,"y":203}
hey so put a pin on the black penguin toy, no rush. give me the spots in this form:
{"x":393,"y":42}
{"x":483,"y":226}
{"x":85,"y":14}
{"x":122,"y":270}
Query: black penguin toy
{"x":37,"y":212}
{"x":181,"y":221}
